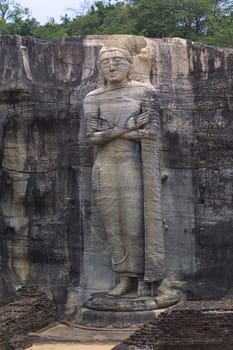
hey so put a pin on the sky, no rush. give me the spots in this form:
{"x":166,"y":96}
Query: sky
{"x":42,"y":10}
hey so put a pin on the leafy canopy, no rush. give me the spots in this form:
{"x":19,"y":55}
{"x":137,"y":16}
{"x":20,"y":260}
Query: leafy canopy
{"x":207,"y":21}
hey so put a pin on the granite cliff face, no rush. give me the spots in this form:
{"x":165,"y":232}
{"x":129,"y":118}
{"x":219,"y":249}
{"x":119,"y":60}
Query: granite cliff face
{"x":47,"y":235}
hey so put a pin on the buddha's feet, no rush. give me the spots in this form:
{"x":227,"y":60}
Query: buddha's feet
{"x":143,"y":289}
{"x":122,"y":288}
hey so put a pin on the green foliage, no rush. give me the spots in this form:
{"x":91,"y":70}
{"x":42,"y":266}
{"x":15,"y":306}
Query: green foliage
{"x":105,"y":19}
{"x":153,"y":18}
{"x":207,"y":21}
{"x":220,"y":29}
{"x":15,"y":19}
{"x":185,"y":18}
{"x":4,"y":27}
{"x":50,"y":31}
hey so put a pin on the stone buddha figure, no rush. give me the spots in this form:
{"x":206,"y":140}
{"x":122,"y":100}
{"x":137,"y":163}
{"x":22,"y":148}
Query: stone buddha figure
{"x":123,"y":122}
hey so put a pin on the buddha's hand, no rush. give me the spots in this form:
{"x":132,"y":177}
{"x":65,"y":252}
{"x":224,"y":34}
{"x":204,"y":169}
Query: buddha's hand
{"x":96,"y":125}
{"x":138,"y":121}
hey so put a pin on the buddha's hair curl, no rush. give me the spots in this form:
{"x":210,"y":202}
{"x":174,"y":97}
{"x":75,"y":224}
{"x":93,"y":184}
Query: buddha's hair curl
{"x":123,"y":51}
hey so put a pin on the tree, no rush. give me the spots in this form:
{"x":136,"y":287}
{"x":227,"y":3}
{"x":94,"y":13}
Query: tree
{"x":104,"y":18}
{"x":198,"y":20}
{"x":220,"y":27}
{"x":21,"y":21}
{"x":50,"y":31}
{"x":207,"y":21}
{"x":160,"y":18}
{"x":5,"y":9}
{"x":16,"y":19}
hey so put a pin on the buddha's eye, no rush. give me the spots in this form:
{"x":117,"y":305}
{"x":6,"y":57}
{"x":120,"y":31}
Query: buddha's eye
{"x":105,"y":62}
{"x":117,"y":60}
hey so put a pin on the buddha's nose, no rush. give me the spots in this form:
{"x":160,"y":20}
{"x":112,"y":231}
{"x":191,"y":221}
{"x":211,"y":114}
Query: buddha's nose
{"x":111,"y":64}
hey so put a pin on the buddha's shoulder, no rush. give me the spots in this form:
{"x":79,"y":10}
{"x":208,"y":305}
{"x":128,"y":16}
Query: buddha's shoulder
{"x":133,"y":86}
{"x":95,"y":93}
{"x":141,"y":86}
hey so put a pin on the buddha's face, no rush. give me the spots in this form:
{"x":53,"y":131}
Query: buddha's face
{"x":114,"y":66}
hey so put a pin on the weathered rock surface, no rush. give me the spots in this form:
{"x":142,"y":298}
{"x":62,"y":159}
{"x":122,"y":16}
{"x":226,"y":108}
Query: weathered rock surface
{"x":48,"y":237}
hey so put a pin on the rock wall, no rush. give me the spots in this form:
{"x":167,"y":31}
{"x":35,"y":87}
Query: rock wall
{"x":40,"y":163}
{"x":48,"y":236}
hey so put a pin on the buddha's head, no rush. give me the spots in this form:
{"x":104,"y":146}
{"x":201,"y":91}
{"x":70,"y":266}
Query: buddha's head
{"x":114,"y":65}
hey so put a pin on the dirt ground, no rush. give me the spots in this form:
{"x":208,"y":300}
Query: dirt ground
{"x":75,"y":337}
{"x":72,"y":346}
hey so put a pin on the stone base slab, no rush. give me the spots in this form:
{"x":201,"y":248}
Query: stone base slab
{"x":102,"y":310}
{"x":120,"y":319}
{"x":103,"y":302}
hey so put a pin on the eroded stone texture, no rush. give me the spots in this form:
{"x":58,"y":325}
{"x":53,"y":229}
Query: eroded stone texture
{"x":39,"y":151}
{"x":47,"y":233}
{"x":31,"y":311}
{"x":189,"y":326}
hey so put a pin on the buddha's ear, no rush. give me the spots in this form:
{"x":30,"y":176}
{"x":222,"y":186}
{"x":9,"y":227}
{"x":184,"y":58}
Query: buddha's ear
{"x":101,"y":80}
{"x":129,"y":76}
